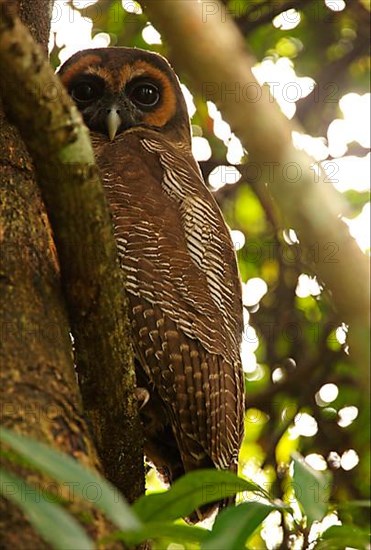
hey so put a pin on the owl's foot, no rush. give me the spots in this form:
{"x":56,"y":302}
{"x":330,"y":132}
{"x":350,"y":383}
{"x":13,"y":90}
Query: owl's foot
{"x":142,"y":395}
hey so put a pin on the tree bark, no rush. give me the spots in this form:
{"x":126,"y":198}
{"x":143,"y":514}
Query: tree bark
{"x":40,"y":394}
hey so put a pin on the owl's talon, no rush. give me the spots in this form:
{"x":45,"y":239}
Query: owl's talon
{"x":142,"y":395}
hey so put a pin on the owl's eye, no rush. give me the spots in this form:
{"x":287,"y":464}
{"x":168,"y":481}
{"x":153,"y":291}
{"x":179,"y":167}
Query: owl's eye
{"x":144,"y":94}
{"x":86,"y":91}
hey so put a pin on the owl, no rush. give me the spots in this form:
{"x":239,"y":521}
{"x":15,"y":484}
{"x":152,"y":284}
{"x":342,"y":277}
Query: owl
{"x":181,"y":273}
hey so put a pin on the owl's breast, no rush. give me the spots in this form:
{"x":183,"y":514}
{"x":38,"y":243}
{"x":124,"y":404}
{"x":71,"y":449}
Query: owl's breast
{"x":174,"y":245}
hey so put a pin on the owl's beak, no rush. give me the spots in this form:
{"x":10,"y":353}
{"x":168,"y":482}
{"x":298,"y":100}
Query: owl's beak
{"x":113,"y":121}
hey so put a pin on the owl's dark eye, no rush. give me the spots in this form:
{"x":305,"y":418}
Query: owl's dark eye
{"x":87,"y":90}
{"x":144,"y":94}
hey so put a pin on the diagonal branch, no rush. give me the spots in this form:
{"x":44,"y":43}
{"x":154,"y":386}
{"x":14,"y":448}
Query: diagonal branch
{"x":264,"y":12}
{"x":221,"y":70}
{"x":90,"y":274}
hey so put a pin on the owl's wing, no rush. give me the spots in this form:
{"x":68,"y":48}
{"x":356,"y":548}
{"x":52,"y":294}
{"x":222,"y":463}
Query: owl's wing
{"x":182,"y":282}
{"x":207,"y":237}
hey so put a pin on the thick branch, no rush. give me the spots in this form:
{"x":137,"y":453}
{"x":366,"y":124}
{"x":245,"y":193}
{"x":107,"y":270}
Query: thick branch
{"x":221,"y":70}
{"x":91,"y":277}
{"x":39,"y":393}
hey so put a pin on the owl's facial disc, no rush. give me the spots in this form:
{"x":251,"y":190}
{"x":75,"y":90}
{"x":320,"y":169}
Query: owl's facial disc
{"x":110,"y":111}
{"x":117,"y":89}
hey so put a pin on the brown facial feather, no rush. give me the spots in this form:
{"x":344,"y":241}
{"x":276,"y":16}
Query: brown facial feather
{"x":166,"y":111}
{"x":81,"y":65}
{"x":117,"y":81}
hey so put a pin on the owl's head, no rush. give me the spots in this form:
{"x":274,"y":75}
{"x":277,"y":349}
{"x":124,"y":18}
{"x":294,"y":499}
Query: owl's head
{"x":120,"y":88}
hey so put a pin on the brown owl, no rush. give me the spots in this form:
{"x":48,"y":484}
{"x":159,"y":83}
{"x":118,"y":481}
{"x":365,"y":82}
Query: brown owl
{"x":175,"y":249}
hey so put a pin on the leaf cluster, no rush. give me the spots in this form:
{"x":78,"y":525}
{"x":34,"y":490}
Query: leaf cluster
{"x":156,"y":516}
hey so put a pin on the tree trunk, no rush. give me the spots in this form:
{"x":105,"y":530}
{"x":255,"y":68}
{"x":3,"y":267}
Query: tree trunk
{"x":40,"y":396}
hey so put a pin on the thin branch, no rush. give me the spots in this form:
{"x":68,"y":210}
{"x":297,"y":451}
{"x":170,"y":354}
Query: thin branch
{"x":91,"y":277}
{"x":221,"y":71}
{"x":264,"y":12}
{"x":308,"y":109}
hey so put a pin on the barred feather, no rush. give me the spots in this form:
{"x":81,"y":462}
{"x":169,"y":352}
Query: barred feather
{"x":186,"y":309}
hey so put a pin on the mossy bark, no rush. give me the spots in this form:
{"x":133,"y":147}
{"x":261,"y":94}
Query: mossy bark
{"x":42,"y":298}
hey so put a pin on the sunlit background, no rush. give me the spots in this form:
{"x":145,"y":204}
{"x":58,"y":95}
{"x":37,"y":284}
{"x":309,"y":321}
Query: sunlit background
{"x":71,"y":32}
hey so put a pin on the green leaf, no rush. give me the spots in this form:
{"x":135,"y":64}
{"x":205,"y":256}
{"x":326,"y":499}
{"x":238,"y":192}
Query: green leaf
{"x":234,"y":526}
{"x":340,"y":536}
{"x":354,"y":504}
{"x":249,"y":213}
{"x":50,"y":520}
{"x":312,"y":489}
{"x":356,"y":201}
{"x":190,"y":492}
{"x":78,"y":479}
{"x":164,"y":530}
